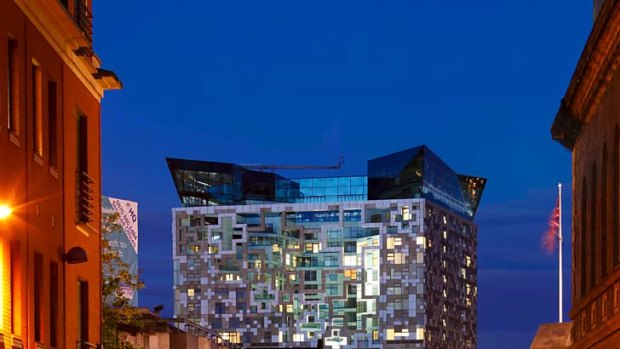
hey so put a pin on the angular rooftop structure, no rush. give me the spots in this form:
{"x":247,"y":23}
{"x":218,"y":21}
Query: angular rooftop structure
{"x":412,"y":173}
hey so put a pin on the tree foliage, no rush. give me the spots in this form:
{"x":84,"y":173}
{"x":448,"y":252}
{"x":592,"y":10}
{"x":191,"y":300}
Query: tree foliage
{"x":115,"y":278}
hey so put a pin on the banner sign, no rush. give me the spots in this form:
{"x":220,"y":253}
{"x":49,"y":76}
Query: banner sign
{"x":125,"y":240}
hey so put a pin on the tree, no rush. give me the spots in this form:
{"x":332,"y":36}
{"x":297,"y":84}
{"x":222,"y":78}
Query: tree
{"x":115,"y":278}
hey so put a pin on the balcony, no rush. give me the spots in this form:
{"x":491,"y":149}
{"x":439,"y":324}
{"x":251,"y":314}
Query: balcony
{"x":82,"y":17}
{"x":84,"y":198}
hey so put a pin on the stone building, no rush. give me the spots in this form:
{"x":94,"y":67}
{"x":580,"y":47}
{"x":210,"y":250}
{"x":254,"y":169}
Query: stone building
{"x":587,"y":123}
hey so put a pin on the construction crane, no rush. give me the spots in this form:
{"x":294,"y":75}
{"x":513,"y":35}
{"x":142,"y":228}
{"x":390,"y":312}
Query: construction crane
{"x":263,"y":167}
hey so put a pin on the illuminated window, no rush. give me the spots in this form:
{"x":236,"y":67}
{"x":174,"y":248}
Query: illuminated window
{"x":213,"y":249}
{"x":190,"y":292}
{"x":350,"y":261}
{"x":351,"y":274}
{"x":421,"y":241}
{"x":389,"y":334}
{"x":289,"y":308}
{"x":375,"y":335}
{"x":406,"y":213}
{"x":232,"y":337}
{"x":391,"y":242}
{"x":468,"y":261}
{"x":396,"y":258}
{"x":420,"y":333}
{"x":216,"y":235}
{"x":445,"y":234}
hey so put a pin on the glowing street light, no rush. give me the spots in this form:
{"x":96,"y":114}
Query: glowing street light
{"x":5,"y":211}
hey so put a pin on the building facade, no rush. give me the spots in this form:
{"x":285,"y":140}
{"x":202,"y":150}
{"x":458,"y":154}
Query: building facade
{"x":386,"y":260}
{"x":587,"y":123}
{"x":51,"y":87}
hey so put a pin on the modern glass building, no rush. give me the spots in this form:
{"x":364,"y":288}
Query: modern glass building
{"x":386,"y":260}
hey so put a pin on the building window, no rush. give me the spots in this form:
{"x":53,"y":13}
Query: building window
{"x":16,"y":288}
{"x":38,"y":287}
{"x":309,"y":275}
{"x":85,"y":184}
{"x":583,"y":237}
{"x":593,"y":316}
{"x":615,"y":187}
{"x":82,"y":143}
{"x":82,"y":314}
{"x":604,"y":233}
{"x":52,"y":115}
{"x":13,"y":88}
{"x":53,"y":304}
{"x":616,"y":297}
{"x":604,"y":307}
{"x":37,"y":114}
{"x":219,"y":308}
{"x":593,"y":228}
{"x":332,"y":290}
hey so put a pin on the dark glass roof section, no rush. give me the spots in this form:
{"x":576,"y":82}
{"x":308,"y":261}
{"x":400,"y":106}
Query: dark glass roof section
{"x":419,"y":173}
{"x":208,"y":183}
{"x":412,"y":173}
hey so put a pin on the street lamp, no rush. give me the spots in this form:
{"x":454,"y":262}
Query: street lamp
{"x":5,"y":211}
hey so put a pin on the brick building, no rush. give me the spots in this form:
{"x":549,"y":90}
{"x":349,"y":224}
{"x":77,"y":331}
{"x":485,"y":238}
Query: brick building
{"x":588,"y":124}
{"x":51,"y":85}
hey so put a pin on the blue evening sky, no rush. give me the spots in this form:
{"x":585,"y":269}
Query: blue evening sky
{"x":303,"y":82}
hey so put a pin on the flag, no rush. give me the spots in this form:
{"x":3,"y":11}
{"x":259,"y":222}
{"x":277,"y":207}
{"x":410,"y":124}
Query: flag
{"x":549,"y":240}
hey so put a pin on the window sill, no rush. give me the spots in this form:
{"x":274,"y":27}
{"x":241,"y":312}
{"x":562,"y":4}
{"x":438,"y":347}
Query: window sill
{"x":38,"y":159}
{"x":15,"y":139}
{"x":54,"y":172}
{"x":85,"y":229}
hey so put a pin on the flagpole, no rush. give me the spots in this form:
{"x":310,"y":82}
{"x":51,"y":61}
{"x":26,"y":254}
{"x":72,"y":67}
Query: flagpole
{"x":560,"y":248}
